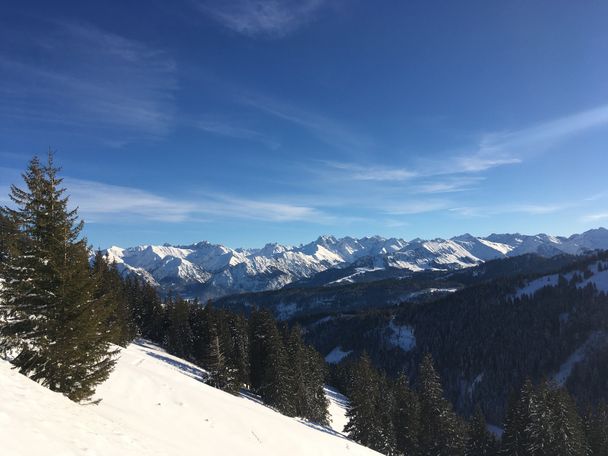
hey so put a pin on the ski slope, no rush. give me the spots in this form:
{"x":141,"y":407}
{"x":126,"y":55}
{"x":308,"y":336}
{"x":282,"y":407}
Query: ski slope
{"x":153,"y":404}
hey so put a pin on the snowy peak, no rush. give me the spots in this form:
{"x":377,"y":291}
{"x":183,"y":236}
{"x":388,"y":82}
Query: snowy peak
{"x":210,"y":270}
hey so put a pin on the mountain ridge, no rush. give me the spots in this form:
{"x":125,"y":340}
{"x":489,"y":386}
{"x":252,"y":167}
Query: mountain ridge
{"x":206,"y":270}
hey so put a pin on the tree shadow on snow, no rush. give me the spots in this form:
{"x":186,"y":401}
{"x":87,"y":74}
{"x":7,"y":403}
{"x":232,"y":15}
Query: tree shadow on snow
{"x":187,"y":369}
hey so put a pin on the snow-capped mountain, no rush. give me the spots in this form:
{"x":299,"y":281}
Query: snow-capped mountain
{"x":208,"y":270}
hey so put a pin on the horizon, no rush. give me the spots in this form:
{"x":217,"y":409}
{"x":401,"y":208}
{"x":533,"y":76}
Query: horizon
{"x":339,"y":238}
{"x":225,"y":122}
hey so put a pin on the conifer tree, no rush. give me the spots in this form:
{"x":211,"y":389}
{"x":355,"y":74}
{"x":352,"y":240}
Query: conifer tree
{"x":596,"y":429}
{"x":480,"y":442}
{"x":513,"y":437}
{"x":441,"y":432}
{"x":365,"y":424}
{"x":406,"y":417}
{"x":566,"y":426}
{"x":238,"y":355}
{"x":110,"y":290}
{"x":53,"y":321}
{"x":307,"y":375}
{"x":179,"y":334}
{"x":544,"y":421}
{"x":217,"y":364}
{"x":269,"y":364}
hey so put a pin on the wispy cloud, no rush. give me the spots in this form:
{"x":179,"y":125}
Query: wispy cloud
{"x":370,"y":173}
{"x":324,"y":128}
{"x":230,"y":206}
{"x":595,"y":217}
{"x":524,"y":208}
{"x":415,"y":207}
{"x":272,"y":18}
{"x":101,"y":202}
{"x":92,"y":79}
{"x":232,"y":130}
{"x":452,"y":184}
{"x":507,"y":148}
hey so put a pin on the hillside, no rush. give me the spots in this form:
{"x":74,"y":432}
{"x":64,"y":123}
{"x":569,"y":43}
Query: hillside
{"x":154,"y":404}
{"x":301,"y":300}
{"x":490,"y":335}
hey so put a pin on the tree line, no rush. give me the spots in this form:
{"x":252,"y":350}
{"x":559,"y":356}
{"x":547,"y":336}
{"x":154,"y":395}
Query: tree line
{"x":63,"y":315}
{"x":395,"y":417}
{"x":270,"y":360}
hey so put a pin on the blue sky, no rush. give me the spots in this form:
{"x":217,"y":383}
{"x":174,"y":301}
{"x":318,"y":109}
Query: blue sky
{"x":248,"y":122}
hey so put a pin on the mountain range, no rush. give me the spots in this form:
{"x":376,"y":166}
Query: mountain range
{"x":208,"y":271}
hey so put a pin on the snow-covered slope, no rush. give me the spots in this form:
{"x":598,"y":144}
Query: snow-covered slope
{"x":154,"y":405}
{"x":595,"y":274}
{"x":209,"y":271}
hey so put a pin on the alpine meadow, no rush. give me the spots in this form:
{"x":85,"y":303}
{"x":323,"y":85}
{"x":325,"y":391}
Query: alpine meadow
{"x":314,"y":227}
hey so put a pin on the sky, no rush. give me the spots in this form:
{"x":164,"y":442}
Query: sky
{"x":248,"y":122}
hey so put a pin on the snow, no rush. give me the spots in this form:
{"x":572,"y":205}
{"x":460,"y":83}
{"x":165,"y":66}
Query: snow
{"x":336,"y":355}
{"x":402,"y":336}
{"x":502,"y":248}
{"x":351,"y":278}
{"x":476,"y":381}
{"x":599,"y":279}
{"x":596,"y":338}
{"x":534,"y":285}
{"x":227,"y":271}
{"x":153,"y":405}
{"x":338,"y":405}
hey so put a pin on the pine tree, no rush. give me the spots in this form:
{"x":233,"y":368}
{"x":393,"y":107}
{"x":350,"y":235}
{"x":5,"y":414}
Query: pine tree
{"x":219,"y":376}
{"x":406,"y":417}
{"x":110,"y":290}
{"x":307,"y":375}
{"x":54,"y":323}
{"x":513,"y":436}
{"x":441,"y":432}
{"x":269,"y":364}
{"x":238,"y":355}
{"x":566,"y":426}
{"x":178,"y":339}
{"x":365,"y":424}
{"x":596,"y":429}
{"x":480,"y":442}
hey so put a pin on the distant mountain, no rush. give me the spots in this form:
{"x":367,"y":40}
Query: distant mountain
{"x":207,"y":270}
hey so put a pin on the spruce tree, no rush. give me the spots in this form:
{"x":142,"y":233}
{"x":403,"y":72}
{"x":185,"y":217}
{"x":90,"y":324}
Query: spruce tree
{"x":480,"y":442}
{"x":365,"y":424}
{"x":110,"y":290}
{"x":512,"y":442}
{"x":307,"y":375}
{"x":406,"y":417}
{"x":269,"y":363}
{"x":238,"y":355}
{"x":596,"y":429}
{"x":178,"y":339}
{"x":566,"y":426}
{"x":216,"y":364}
{"x":441,"y":432}
{"x":53,"y":322}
